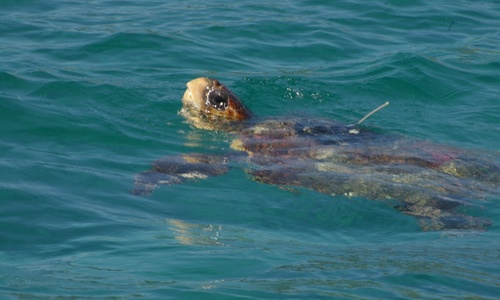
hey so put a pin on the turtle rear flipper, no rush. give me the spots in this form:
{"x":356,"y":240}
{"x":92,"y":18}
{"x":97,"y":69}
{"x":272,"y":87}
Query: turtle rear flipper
{"x":178,"y":169}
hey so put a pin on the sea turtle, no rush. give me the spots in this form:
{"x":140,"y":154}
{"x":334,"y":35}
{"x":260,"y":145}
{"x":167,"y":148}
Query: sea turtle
{"x":423,"y":179}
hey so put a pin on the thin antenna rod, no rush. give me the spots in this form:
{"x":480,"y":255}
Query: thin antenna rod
{"x":372,"y":112}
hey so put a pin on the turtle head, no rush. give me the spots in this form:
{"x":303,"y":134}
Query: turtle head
{"x":208,"y":104}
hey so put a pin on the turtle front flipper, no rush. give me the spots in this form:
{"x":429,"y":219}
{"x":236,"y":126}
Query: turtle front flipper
{"x":440,"y":214}
{"x":178,"y":169}
{"x":454,"y":221}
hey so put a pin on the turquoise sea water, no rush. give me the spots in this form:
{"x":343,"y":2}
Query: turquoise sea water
{"x":89,"y":95}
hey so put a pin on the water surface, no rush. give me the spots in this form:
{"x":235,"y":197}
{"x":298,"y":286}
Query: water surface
{"x":89,"y":94}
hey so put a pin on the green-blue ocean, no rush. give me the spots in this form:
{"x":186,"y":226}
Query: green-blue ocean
{"x":89,"y":97}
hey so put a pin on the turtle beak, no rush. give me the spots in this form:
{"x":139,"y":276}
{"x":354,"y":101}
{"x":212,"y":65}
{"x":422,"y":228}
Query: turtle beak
{"x":195,"y":93}
{"x":207,"y":100}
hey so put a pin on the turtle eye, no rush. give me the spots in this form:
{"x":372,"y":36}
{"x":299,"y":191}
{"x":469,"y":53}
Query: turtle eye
{"x":218,"y":99}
